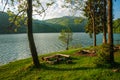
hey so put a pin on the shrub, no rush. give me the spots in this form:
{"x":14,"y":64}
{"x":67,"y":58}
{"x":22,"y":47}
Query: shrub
{"x":103,"y":56}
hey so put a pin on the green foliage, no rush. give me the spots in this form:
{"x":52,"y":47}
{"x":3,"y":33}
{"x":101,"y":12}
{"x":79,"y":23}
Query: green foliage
{"x":5,"y":24}
{"x":116,"y":25}
{"x":94,"y":12}
{"x":103,"y":56}
{"x":66,"y":36}
{"x":69,"y":21}
{"x":18,"y":11}
{"x":77,"y":21}
{"x":74,"y":6}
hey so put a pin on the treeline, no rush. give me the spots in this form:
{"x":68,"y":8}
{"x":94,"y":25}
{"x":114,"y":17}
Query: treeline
{"x":51,"y":25}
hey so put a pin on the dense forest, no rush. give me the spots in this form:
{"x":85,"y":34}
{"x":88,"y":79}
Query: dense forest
{"x":44,"y":26}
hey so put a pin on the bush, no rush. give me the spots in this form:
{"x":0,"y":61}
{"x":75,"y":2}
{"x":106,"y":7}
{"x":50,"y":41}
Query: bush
{"x":103,"y":56}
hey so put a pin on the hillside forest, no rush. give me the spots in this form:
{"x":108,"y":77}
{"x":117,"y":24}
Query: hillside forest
{"x":48,"y":26}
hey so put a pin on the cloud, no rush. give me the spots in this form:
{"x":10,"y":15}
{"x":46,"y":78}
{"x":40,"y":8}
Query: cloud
{"x":56,"y":10}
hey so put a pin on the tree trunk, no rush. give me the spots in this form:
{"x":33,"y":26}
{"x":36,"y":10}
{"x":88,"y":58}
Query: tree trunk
{"x":94,"y":35}
{"x":110,"y":31}
{"x":104,"y":35}
{"x":104,"y":24}
{"x":94,"y":32}
{"x":30,"y":35}
{"x":67,"y":48}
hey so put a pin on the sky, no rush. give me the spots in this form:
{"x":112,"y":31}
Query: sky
{"x":116,"y":9}
{"x":56,"y":10}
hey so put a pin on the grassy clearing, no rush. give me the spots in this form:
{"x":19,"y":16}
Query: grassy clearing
{"x":82,"y":68}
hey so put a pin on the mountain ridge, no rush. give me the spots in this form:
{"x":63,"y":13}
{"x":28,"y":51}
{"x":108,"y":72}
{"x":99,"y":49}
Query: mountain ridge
{"x":45,"y":26}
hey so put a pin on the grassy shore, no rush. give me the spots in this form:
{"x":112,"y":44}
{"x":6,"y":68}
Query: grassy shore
{"x":82,"y":68}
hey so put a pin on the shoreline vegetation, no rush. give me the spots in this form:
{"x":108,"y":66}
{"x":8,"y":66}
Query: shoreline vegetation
{"x":81,"y":68}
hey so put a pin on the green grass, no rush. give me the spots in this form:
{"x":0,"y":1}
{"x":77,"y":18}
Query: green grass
{"x":82,"y":68}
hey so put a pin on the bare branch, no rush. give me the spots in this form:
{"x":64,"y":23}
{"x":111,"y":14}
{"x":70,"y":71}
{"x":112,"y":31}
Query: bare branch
{"x":16,"y":17}
{"x":5,"y":5}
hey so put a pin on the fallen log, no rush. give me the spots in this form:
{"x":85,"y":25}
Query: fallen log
{"x":87,"y":52}
{"x":116,"y":70}
{"x":55,"y":56}
{"x":63,"y":55}
{"x":58,"y":58}
{"x":48,"y":58}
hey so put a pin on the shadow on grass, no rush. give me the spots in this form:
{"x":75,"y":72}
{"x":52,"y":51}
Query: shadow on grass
{"x":109,"y":66}
{"x":46,"y":67}
{"x":116,"y":65}
{"x":53,"y":67}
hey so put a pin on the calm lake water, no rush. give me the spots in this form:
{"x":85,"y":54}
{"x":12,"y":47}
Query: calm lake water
{"x":15,"y":46}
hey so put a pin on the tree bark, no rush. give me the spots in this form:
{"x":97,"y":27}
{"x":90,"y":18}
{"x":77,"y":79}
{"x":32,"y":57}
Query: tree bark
{"x":67,"y":48}
{"x":110,"y":30}
{"x":30,"y":35}
{"x":94,"y":32}
{"x":104,"y":24}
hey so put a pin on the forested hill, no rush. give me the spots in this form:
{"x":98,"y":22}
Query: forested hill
{"x":51,"y":25}
{"x":75,"y":23}
{"x":5,"y":25}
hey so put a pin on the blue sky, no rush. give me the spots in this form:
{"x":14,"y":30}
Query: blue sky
{"x":116,"y":9}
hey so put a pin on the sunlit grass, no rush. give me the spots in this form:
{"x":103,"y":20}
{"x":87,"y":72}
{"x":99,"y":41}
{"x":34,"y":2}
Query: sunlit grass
{"x":82,"y":68}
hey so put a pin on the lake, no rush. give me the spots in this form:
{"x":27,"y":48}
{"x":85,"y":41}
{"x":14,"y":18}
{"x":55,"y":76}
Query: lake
{"x":15,"y":46}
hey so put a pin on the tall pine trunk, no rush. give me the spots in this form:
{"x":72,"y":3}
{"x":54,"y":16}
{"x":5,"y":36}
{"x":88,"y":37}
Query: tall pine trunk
{"x":30,"y":35}
{"x":104,"y":24}
{"x":94,"y":33}
{"x":110,"y":31}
